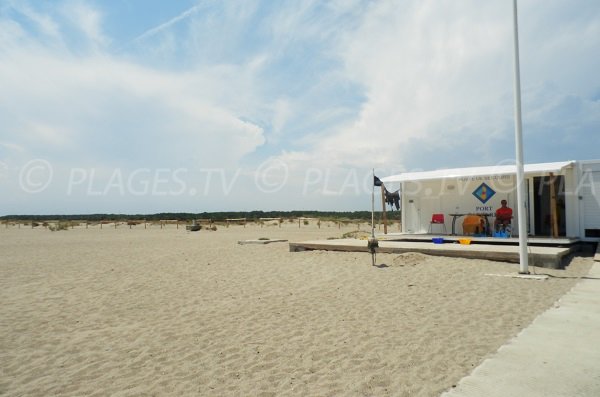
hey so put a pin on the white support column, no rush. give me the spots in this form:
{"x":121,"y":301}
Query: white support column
{"x":521,"y":192}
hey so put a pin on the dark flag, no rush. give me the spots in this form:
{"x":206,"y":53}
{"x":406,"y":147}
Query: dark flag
{"x":393,"y":198}
{"x":377,"y":181}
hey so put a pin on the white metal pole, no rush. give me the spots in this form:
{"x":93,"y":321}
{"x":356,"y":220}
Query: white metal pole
{"x":521,"y":206}
{"x":373,"y":205}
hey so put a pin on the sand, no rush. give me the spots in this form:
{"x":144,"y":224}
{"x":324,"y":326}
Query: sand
{"x":131,"y":312}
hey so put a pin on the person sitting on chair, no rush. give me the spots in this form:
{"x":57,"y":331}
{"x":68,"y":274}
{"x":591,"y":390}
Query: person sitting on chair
{"x":503,"y":216}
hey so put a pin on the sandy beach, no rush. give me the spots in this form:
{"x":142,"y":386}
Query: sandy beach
{"x":167,"y":312}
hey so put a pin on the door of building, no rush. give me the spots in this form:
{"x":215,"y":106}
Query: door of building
{"x":542,"y":205}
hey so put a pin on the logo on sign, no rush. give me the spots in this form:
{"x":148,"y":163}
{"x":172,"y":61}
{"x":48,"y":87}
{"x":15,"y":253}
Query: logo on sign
{"x":484,"y":193}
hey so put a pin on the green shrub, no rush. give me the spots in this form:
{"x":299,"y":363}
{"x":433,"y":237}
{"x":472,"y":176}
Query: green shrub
{"x":59,"y":226}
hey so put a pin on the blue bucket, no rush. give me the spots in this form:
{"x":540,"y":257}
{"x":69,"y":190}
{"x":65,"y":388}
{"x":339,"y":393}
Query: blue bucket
{"x":438,"y":240}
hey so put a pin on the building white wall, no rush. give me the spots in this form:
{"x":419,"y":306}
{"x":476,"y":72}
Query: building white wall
{"x":421,"y":199}
{"x":572,"y":203}
{"x":588,"y":193}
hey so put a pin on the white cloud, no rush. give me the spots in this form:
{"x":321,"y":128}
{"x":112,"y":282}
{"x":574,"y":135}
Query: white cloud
{"x":438,"y":81}
{"x":281,"y":114}
{"x":12,"y":146}
{"x":110,"y":110}
{"x":86,"y":19}
{"x":419,"y":64}
{"x":339,"y":87}
{"x":10,"y":33}
{"x":44,"y":22}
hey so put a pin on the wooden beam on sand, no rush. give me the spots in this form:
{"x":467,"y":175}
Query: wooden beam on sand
{"x":549,"y":257}
{"x":239,"y":220}
{"x":165,"y":222}
{"x":262,"y":220}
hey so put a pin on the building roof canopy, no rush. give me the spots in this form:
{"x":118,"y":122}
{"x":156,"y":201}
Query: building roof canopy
{"x":530,"y":169}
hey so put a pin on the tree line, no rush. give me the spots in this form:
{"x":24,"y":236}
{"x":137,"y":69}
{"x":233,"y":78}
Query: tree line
{"x":215,"y":216}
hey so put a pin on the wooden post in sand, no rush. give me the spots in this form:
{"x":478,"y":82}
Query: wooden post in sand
{"x":383,"y":207}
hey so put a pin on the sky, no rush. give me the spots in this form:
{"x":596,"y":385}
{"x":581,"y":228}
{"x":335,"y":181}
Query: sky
{"x":147,"y":106}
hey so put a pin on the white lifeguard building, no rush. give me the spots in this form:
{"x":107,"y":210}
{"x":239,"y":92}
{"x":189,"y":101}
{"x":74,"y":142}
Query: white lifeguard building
{"x":563,"y":198}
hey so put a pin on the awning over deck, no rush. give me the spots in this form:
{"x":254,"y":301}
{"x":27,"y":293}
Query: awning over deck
{"x":541,"y":168}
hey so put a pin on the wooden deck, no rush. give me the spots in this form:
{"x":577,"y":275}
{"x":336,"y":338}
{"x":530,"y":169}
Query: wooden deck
{"x":542,"y":256}
{"x":534,"y":241}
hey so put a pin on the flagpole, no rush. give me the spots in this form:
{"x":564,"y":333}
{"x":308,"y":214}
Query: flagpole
{"x":373,"y":206}
{"x":521,"y":206}
{"x":372,"y":243}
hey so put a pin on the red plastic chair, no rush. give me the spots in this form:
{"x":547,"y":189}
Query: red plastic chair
{"x":437,"y":219}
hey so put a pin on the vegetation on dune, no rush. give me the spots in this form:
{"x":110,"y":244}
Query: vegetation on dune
{"x":59,"y":226}
{"x":342,"y":216}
